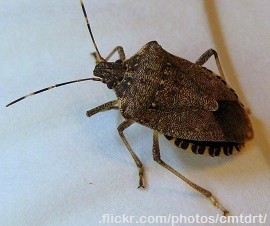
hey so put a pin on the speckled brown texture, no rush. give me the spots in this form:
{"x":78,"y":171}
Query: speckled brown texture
{"x":176,"y":97}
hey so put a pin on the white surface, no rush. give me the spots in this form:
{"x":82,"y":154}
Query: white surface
{"x":50,"y":151}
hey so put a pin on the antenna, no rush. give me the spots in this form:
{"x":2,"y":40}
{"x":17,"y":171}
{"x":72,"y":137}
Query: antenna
{"x":51,"y":87}
{"x":90,"y":31}
{"x":74,"y":81}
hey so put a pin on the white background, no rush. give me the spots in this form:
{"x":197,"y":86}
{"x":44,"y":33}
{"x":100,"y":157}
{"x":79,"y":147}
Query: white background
{"x":58,"y":167}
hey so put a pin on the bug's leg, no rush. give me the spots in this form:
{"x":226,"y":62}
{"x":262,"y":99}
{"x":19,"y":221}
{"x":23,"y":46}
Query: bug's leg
{"x":124,"y":125}
{"x":96,"y":56}
{"x":104,"y":107}
{"x":118,"y":49}
{"x":205,"y":57}
{"x":208,"y":194}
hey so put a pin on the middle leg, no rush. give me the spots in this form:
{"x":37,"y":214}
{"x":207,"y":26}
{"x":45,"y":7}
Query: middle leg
{"x":124,"y":125}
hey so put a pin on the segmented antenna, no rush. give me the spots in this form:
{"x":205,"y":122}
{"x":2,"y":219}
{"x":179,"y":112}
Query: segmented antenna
{"x":66,"y":83}
{"x":51,"y":87}
{"x":90,"y":31}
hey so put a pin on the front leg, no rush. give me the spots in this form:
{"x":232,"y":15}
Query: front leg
{"x":124,"y":125}
{"x":104,"y":107}
{"x":118,"y":49}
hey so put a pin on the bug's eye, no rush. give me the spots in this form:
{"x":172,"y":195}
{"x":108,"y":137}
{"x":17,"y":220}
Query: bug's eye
{"x":110,"y":84}
{"x":118,"y":61}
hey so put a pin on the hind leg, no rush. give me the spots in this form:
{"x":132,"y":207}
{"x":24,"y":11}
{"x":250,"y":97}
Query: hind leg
{"x":205,"y":57}
{"x":208,"y":194}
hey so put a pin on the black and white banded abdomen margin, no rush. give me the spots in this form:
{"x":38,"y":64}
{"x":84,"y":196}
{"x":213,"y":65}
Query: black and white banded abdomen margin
{"x":206,"y":147}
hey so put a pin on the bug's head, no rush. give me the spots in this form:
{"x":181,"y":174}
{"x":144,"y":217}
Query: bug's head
{"x":111,"y":73}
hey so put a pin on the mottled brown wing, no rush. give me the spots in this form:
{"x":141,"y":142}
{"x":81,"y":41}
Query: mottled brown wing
{"x":189,"y":85}
{"x":155,"y":80}
{"x":229,"y":123}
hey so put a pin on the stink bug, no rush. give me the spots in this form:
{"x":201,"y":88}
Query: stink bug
{"x":187,"y":103}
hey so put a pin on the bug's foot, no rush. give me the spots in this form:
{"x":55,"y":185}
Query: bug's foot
{"x":141,"y":184}
{"x":218,"y":205}
{"x":226,"y":213}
